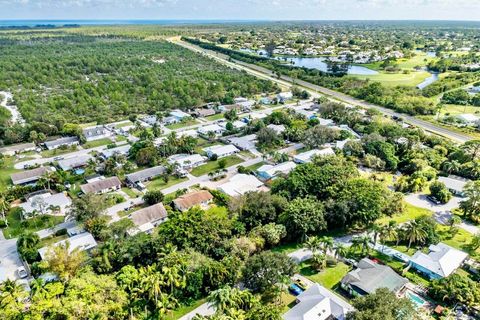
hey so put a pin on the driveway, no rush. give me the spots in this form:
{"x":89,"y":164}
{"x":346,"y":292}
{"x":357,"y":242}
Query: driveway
{"x":9,"y":260}
{"x":50,"y":231}
{"x":205,"y":309}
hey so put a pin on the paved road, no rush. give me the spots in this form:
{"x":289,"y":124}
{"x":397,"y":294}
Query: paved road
{"x":48,"y":232}
{"x":315,"y":90}
{"x":9,"y":259}
{"x":16,"y":116}
{"x":205,"y":309}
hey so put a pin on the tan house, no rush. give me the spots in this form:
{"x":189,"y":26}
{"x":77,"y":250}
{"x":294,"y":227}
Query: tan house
{"x":146,"y":219}
{"x":199,"y":198}
{"x":102,"y":185}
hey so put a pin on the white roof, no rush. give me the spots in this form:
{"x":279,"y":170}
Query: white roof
{"x":468,"y":117}
{"x":341,"y":144}
{"x":220,"y":150}
{"x":240,"y":184}
{"x":307,"y":156}
{"x":179,"y":114}
{"x":245,"y":142}
{"x":237,"y":124}
{"x":272,"y":171}
{"x":74,"y":162}
{"x":454,"y":183}
{"x":187,"y":133}
{"x":442,"y":259}
{"x":83,"y":241}
{"x":257,"y":115}
{"x":183,"y":158}
{"x":318,"y":303}
{"x":210,"y":128}
{"x":58,"y":199}
{"x":325,"y":122}
{"x":285,"y":95}
{"x":107,"y":153}
{"x":278,"y":128}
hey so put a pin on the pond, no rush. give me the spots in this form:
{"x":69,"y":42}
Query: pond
{"x":320,"y":64}
{"x":428,"y":81}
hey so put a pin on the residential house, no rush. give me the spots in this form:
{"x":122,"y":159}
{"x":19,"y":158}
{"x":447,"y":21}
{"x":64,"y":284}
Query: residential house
{"x":325,"y":122}
{"x":221,"y":151}
{"x":240,"y":184}
{"x":74,"y":162}
{"x":246,"y":105}
{"x":370,"y":276}
{"x":175,"y":116}
{"x":122,"y":150}
{"x":468,"y":119}
{"x":149,"y":119}
{"x":146,"y":219}
{"x":66,"y":141}
{"x":284,"y":96}
{"x":102,"y":185}
{"x":188,"y":133}
{"x":254,"y":116}
{"x":454,"y":184}
{"x":96,"y":133}
{"x":187,"y":161}
{"x":29,"y":176}
{"x":209,"y":129}
{"x":201,"y":112}
{"x":245,"y":142}
{"x":144,"y":175}
{"x":46,"y":203}
{"x":17,"y":148}
{"x":82,"y":242}
{"x":237,"y":124}
{"x":265,"y":100}
{"x":268,"y":171}
{"x":318,"y":303}
{"x":278,"y":128}
{"x":440,"y":262}
{"x":200,"y":198}
{"x":308,"y":156}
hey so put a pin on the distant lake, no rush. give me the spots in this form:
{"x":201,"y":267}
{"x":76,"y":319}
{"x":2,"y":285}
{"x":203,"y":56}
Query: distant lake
{"x":32,"y":23}
{"x":320,"y":64}
{"x":428,"y":81}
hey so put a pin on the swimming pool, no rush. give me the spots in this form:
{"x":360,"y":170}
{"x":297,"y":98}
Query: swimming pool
{"x":416,"y":299}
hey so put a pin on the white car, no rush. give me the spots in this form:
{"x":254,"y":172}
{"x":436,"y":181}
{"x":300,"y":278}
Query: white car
{"x":22,"y":273}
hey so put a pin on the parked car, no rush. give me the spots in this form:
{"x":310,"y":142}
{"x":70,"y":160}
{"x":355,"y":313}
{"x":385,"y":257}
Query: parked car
{"x":58,"y":158}
{"x":433,"y":199}
{"x":295,"y":289}
{"x":22,"y":273}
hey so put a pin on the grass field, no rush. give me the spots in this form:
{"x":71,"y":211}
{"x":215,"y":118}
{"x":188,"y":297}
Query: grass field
{"x":254,"y":167}
{"x":395,"y":79}
{"x":410,"y":213}
{"x":5,"y":171}
{"x":97,"y":143}
{"x":57,"y":152}
{"x":130,"y":192}
{"x":453,"y":109}
{"x":217,"y":116}
{"x":159,"y":183}
{"x":16,"y":227}
{"x":329,"y":277}
{"x":184,"y":309}
{"x":182,"y":124}
{"x":213,"y":165}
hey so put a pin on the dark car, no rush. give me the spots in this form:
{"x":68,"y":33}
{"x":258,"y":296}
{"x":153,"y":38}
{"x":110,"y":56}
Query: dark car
{"x":434,"y":200}
{"x":295,"y":289}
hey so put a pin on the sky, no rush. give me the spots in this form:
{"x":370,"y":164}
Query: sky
{"x":242,"y":9}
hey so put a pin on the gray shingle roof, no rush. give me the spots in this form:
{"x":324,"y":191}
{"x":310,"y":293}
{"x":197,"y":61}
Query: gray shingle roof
{"x":28,"y":175}
{"x":60,"y":141}
{"x":100,"y":185}
{"x":149,"y":214}
{"x":144,"y":175}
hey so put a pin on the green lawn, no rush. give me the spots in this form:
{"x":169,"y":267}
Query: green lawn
{"x":120,"y":138}
{"x":461,"y":240}
{"x":395,"y":79}
{"x":159,"y":183}
{"x":124,"y":124}
{"x":288,"y":248}
{"x":254,"y":167}
{"x":329,"y":277}
{"x":5,"y":171}
{"x":131,"y":193}
{"x":51,"y":240}
{"x":97,"y":143}
{"x":184,"y":309}
{"x":455,"y":109}
{"x":213,"y":165}
{"x":217,"y":116}
{"x":182,"y":124}
{"x":16,"y":226}
{"x":410,"y":213}
{"x":57,"y":152}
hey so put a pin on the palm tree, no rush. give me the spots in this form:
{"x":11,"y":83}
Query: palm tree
{"x":11,"y":295}
{"x":38,"y":289}
{"x":152,"y":282}
{"x":4,"y":207}
{"x":414,"y":233}
{"x":225,"y":298}
{"x":376,"y":230}
{"x":475,"y":242}
{"x":313,"y":244}
{"x":327,"y":244}
{"x":365,"y":243}
{"x":340,"y":250}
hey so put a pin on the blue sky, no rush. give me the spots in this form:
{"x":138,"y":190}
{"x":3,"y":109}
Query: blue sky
{"x":242,"y":9}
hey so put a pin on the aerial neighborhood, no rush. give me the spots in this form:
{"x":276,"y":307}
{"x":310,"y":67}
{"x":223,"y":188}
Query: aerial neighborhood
{"x":207,"y":176}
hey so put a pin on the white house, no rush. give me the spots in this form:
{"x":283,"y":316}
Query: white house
{"x":46,"y":203}
{"x":206,"y":130}
{"x":468,"y":118}
{"x":96,"y":133}
{"x":240,"y":184}
{"x":65,"y":141}
{"x":179,"y":114}
{"x":122,"y":150}
{"x":306,"y":157}
{"x":245,"y":142}
{"x":82,"y":242}
{"x":236,"y":124}
{"x":318,"y":303}
{"x":268,"y":171}
{"x":454,"y":184}
{"x":188,"y":133}
{"x":278,"y":128}
{"x":221,"y":150}
{"x":441,"y":261}
{"x":282,"y":96}
{"x":187,"y":161}
{"x":17,"y":148}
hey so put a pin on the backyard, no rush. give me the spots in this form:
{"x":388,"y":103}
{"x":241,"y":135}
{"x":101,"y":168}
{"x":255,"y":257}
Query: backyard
{"x":5,"y":171}
{"x":97,"y":143}
{"x":213,"y":165}
{"x":328,"y":277}
{"x":17,"y":225}
{"x":159,"y":183}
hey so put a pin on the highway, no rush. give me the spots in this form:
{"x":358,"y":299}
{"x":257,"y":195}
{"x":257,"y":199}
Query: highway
{"x":315,"y":90}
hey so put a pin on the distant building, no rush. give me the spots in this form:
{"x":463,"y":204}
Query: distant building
{"x":201,"y":112}
{"x":96,"y":133}
{"x":17,"y":148}
{"x":240,"y":184}
{"x":468,"y":119}
{"x":144,"y":175}
{"x":187,"y":161}
{"x":268,"y":171}
{"x":318,"y":303}
{"x":66,"y":141}
{"x":237,"y":124}
{"x":221,"y":151}
{"x":146,"y":219}
{"x":441,"y":261}
{"x":102,"y":186}
{"x":74,"y":162}
{"x":46,"y":203}
{"x":370,"y":276}
{"x":206,"y":130}
{"x":284,"y":96}
{"x":308,"y":156}
{"x":149,"y":119}
{"x":122,"y":150}
{"x":245,"y":142}
{"x":278,"y":128}
{"x":454,"y":184}
{"x":82,"y":242}
{"x":29,"y":176}
{"x":198,"y":198}
{"x":175,"y":116}
{"x":187,"y":133}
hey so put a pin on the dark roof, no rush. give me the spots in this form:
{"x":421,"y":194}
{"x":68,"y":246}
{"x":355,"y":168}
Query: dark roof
{"x":149,"y":214}
{"x":192,"y":199}
{"x":29,"y":175}
{"x":60,"y":141}
{"x":100,"y":185}
{"x":17,"y":147}
{"x":144,"y":175}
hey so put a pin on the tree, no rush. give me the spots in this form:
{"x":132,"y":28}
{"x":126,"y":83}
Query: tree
{"x":12,"y":296}
{"x":303,"y":217}
{"x":63,"y":261}
{"x":382,"y":305}
{"x":27,"y":245}
{"x":439,"y":191}
{"x":471,"y":148}
{"x":272,"y":233}
{"x":255,"y":209}
{"x":414,"y":233}
{"x":222,"y":163}
{"x":227,"y":298}
{"x":456,"y":288}
{"x":267,"y":137}
{"x":152,"y":197}
{"x":4,"y":207}
{"x":263,"y":271}
{"x":89,"y":206}
{"x":471,"y":204}
{"x":317,"y":136}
